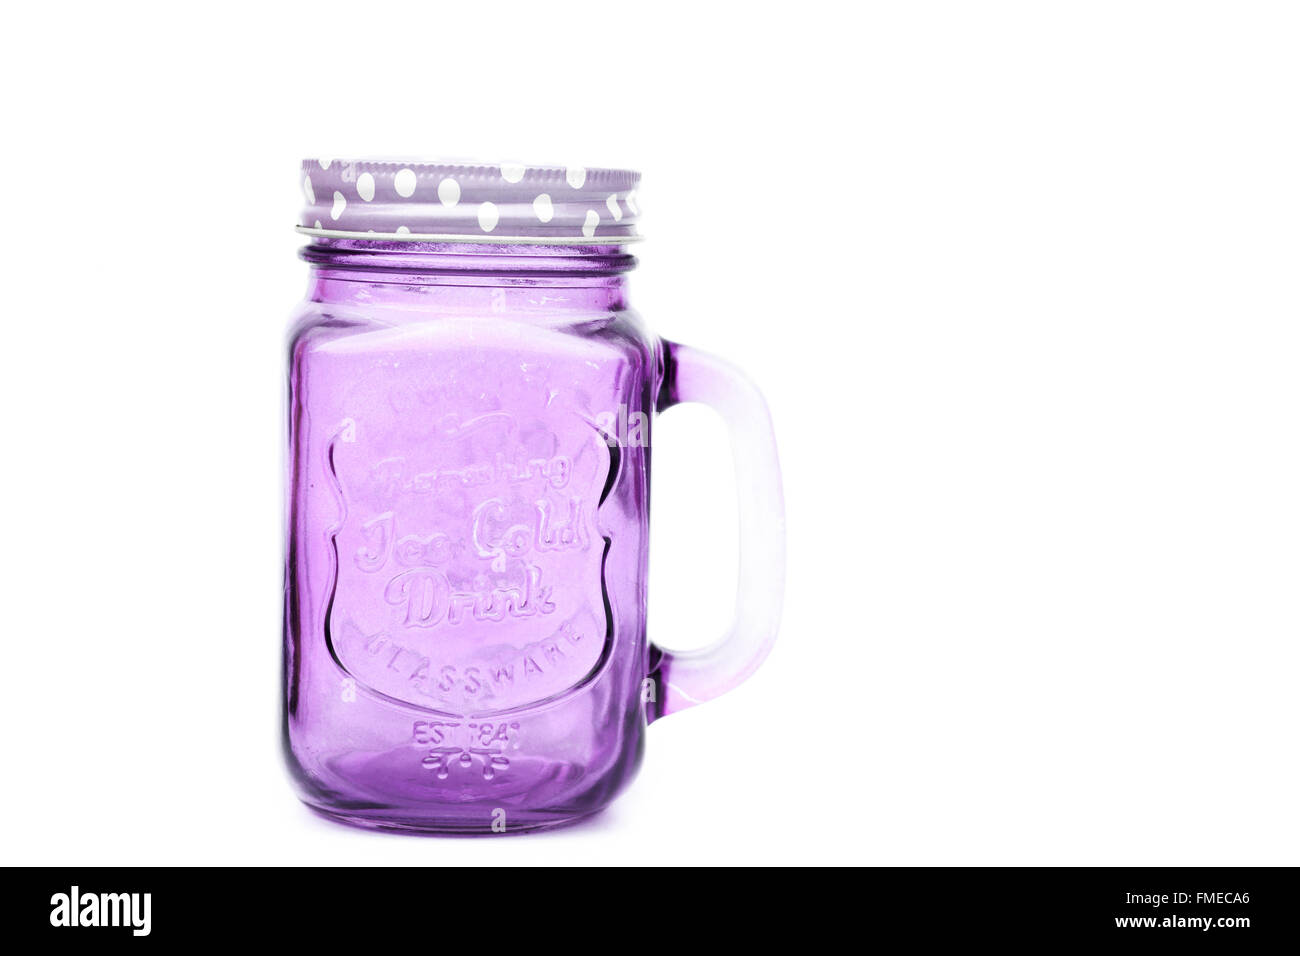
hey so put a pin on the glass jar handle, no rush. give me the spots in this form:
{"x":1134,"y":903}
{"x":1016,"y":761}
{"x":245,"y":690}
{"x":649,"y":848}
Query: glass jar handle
{"x":683,"y":679}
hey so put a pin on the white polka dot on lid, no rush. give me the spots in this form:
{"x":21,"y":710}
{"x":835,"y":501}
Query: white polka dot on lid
{"x":589,"y":227}
{"x":488,"y":216}
{"x":449,"y":192}
{"x":403,"y":231}
{"x":366,"y":186}
{"x":612,"y":205}
{"x":576,"y":176}
{"x":317,"y":223}
{"x":307,"y":190}
{"x":404,"y":182}
{"x":340,"y":203}
{"x":324,"y":163}
{"x":543,"y":207}
{"x":512,"y":172}
{"x":630,"y":199}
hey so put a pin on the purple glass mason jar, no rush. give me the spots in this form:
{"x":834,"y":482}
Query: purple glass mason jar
{"x":470,"y":405}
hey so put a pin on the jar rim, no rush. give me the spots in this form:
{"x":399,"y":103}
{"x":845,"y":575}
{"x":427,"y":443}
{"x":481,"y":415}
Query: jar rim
{"x":462,"y":238}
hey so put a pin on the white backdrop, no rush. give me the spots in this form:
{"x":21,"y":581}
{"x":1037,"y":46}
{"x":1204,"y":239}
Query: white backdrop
{"x":1019,"y":281}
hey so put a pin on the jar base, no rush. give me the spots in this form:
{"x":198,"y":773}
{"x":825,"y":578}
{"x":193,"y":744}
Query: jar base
{"x":511,"y":822}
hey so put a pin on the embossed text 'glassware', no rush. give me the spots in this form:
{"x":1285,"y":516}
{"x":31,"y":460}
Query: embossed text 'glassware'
{"x":470,"y":410}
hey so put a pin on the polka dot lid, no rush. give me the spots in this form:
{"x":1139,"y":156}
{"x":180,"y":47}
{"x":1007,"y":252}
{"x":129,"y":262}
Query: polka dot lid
{"x":508,"y":202}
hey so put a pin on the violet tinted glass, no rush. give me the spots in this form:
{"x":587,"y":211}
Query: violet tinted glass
{"x":469,"y":429}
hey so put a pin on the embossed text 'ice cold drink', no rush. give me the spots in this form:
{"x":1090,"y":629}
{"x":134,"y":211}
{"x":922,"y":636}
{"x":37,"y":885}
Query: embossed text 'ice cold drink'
{"x":470,"y":405}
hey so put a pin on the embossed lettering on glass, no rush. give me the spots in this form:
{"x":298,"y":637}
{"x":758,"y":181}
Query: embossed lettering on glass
{"x":470,"y":411}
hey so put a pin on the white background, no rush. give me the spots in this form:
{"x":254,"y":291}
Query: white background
{"x":1019,"y":281}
